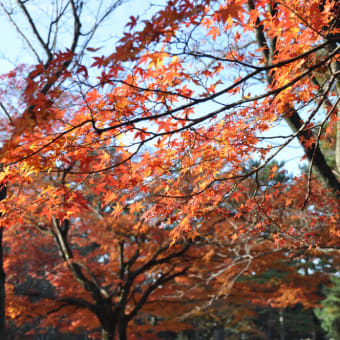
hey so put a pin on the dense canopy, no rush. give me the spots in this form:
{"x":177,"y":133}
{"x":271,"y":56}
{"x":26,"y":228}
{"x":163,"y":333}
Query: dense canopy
{"x":142,"y":176}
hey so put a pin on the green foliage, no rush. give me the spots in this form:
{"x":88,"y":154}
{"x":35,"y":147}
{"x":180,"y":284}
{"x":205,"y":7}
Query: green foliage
{"x":273,"y":173}
{"x":329,"y":314}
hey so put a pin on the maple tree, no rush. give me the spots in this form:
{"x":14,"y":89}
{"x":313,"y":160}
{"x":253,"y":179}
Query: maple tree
{"x":20,"y":93}
{"x":176,"y":111}
{"x":96,"y":271}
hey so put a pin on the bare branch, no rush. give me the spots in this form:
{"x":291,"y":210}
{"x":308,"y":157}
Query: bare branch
{"x":23,"y":36}
{"x":35,"y":31}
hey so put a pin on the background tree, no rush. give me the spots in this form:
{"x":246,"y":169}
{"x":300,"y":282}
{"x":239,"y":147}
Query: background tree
{"x":329,"y":312}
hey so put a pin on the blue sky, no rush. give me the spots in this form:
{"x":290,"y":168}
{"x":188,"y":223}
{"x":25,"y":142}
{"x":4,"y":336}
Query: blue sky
{"x":14,"y":50}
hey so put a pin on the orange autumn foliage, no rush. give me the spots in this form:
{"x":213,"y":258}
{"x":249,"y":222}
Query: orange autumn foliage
{"x":158,"y":135}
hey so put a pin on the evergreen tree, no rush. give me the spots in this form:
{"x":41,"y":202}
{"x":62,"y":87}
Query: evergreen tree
{"x":329,"y":314}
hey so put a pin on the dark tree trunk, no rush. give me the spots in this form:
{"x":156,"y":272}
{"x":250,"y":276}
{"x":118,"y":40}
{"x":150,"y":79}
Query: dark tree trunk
{"x":2,"y":291}
{"x":108,"y":321}
{"x":122,"y":330}
{"x":269,"y":327}
{"x":292,"y":117}
{"x":219,"y":333}
{"x":2,"y":276}
{"x":282,"y":325}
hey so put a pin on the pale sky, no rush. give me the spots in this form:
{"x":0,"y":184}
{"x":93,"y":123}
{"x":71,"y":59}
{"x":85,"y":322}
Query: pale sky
{"x":14,"y":50}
